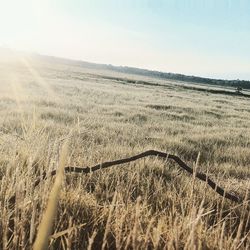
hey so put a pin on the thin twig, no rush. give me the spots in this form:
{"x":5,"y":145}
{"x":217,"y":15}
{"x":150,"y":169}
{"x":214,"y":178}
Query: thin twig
{"x":165,"y":156}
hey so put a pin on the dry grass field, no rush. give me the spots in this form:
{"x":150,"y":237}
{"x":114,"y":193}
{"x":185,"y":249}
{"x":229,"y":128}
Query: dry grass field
{"x":146,"y":204}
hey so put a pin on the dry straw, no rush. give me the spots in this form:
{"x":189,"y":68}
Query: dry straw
{"x":45,"y":227}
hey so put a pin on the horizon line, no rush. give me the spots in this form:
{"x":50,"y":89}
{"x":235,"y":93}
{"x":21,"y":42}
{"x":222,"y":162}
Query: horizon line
{"x":121,"y":66}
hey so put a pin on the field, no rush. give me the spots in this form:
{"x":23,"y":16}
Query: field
{"x":104,"y":116}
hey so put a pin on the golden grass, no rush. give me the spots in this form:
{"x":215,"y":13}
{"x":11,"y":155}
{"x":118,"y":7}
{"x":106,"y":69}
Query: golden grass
{"x":147,"y":204}
{"x":45,"y":227}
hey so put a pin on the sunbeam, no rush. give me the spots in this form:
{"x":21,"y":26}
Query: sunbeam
{"x":39,"y":79}
{"x":19,"y":96}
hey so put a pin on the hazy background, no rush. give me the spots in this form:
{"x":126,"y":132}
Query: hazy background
{"x":207,"y":38}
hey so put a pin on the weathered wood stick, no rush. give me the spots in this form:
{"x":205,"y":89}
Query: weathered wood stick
{"x":163,"y":155}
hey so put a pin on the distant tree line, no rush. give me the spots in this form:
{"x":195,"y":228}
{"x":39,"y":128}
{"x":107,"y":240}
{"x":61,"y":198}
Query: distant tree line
{"x":237,"y":84}
{"x":242,"y":84}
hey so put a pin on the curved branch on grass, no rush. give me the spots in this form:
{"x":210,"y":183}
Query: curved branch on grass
{"x":165,"y":156}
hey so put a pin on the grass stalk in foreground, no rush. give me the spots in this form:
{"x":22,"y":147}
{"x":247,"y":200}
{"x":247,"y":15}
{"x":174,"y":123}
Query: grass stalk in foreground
{"x":45,"y":226}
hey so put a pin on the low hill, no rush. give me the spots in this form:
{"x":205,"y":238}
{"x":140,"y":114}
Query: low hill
{"x":142,"y":72}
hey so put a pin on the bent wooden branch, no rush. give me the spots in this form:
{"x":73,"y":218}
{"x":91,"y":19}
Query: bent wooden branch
{"x":163,"y":155}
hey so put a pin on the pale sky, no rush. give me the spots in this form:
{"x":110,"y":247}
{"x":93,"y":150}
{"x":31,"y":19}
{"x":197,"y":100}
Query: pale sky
{"x":208,"y":38}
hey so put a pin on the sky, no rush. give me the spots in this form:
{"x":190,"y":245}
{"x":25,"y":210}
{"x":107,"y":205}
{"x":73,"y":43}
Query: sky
{"x":209,"y":38}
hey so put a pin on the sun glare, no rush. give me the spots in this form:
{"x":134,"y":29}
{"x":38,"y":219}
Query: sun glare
{"x":39,"y":79}
{"x":20,"y":22}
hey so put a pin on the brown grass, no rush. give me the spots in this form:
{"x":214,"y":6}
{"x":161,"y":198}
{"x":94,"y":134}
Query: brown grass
{"x":148,"y":204}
